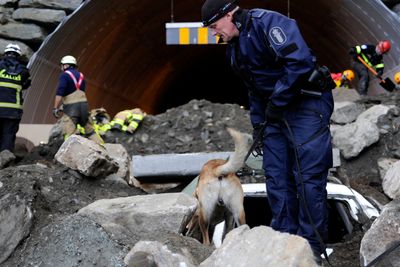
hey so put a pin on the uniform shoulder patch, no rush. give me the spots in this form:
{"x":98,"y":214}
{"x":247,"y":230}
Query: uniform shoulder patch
{"x":277,"y":35}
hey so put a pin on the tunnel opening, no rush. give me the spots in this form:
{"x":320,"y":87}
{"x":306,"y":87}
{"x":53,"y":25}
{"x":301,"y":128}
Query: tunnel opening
{"x":207,"y":76}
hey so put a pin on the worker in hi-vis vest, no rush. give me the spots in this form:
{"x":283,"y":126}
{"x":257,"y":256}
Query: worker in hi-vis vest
{"x":127,"y":120}
{"x":101,"y":120}
{"x":371,"y":55}
{"x":71,"y":95}
{"x":14,"y":77}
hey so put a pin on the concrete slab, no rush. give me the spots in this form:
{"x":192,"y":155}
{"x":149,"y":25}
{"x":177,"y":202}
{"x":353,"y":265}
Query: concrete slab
{"x":187,"y":164}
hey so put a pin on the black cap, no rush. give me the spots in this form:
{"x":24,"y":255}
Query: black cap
{"x":213,"y":10}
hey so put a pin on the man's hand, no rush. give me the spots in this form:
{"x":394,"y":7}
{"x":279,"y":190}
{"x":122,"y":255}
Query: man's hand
{"x":57,"y":113}
{"x":273,"y":114}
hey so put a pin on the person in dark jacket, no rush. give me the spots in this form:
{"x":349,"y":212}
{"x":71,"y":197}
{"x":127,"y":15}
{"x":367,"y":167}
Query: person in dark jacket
{"x":371,"y":55}
{"x":291,"y":102}
{"x":71,"y":93}
{"x":14,"y":78}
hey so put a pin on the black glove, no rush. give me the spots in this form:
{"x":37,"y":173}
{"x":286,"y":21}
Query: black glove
{"x":57,"y":113}
{"x":258,"y":138}
{"x":273,"y":114}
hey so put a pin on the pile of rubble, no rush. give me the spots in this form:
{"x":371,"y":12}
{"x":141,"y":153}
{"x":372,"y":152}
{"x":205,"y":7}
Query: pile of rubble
{"x":66,"y":212}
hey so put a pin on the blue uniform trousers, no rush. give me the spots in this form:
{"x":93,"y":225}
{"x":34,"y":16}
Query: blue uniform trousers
{"x":286,"y":185}
{"x":8,"y":130}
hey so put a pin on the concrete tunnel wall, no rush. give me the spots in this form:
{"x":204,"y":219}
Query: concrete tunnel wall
{"x":120,"y":47}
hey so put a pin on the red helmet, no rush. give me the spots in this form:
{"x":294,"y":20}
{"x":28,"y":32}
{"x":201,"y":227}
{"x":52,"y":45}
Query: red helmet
{"x":384,"y":46}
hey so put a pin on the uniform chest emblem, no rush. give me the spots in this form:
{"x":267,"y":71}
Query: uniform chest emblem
{"x":277,"y":36}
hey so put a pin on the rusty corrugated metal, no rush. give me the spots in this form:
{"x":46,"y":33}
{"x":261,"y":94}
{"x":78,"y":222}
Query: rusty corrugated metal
{"x":120,"y":47}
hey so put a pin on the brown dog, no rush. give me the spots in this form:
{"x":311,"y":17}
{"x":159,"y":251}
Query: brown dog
{"x":219,"y":191}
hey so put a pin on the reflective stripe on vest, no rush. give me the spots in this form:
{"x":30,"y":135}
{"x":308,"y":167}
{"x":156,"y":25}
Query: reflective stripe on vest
{"x":358,"y":49}
{"x":134,"y":124}
{"x":365,"y":58}
{"x":80,"y":129}
{"x":118,"y":121}
{"x":137,"y":117}
{"x":77,"y":83}
{"x":18,"y":89}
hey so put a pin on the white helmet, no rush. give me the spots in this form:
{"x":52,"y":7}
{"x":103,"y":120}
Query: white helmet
{"x":69,"y":60}
{"x":13,"y":48}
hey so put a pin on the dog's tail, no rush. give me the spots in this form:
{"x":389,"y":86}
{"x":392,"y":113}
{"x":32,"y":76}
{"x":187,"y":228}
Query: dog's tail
{"x":235,"y":162}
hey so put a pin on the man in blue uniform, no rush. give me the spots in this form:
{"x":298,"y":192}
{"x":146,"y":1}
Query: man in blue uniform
{"x":14,"y":77}
{"x":71,"y":93}
{"x":373,"y":56}
{"x":293,"y":98}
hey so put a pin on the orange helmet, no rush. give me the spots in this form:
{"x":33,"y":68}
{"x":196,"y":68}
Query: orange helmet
{"x":384,"y":46}
{"x":349,"y":75}
{"x":397,"y":77}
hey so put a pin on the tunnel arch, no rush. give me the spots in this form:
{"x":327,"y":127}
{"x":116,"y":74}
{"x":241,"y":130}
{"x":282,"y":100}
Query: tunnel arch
{"x":120,"y":47}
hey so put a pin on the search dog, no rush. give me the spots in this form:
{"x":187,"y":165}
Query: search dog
{"x":219,"y":191}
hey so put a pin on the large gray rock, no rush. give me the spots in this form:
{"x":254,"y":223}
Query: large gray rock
{"x":86,"y":157}
{"x":261,"y":246}
{"x":16,"y":219}
{"x":384,"y":165}
{"x":74,"y":241}
{"x":383,"y":233}
{"x":24,"y":32}
{"x":346,"y":112}
{"x":138,"y":215}
{"x":354,"y":137}
{"x":7,"y":2}
{"x":16,"y":206}
{"x":373,"y":113}
{"x":6,"y":156}
{"x":46,"y":16}
{"x":391,"y":181}
{"x":119,"y":154}
{"x":69,"y":5}
{"x":153,"y":253}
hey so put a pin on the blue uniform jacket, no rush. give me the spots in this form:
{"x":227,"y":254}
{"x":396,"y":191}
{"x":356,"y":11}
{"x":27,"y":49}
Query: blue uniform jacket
{"x":14,"y":77}
{"x":66,"y":85}
{"x":273,"y":59}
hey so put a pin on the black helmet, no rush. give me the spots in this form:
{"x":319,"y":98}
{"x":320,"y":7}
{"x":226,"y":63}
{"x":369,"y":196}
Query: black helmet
{"x":213,"y":10}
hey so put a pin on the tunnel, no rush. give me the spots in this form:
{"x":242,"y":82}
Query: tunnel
{"x":121,"y":48}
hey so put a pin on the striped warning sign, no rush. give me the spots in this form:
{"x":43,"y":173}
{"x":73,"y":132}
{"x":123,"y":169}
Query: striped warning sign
{"x":188,"y":33}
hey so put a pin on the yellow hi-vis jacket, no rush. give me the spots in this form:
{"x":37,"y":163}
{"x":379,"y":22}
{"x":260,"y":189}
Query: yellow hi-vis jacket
{"x":126,"y":121}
